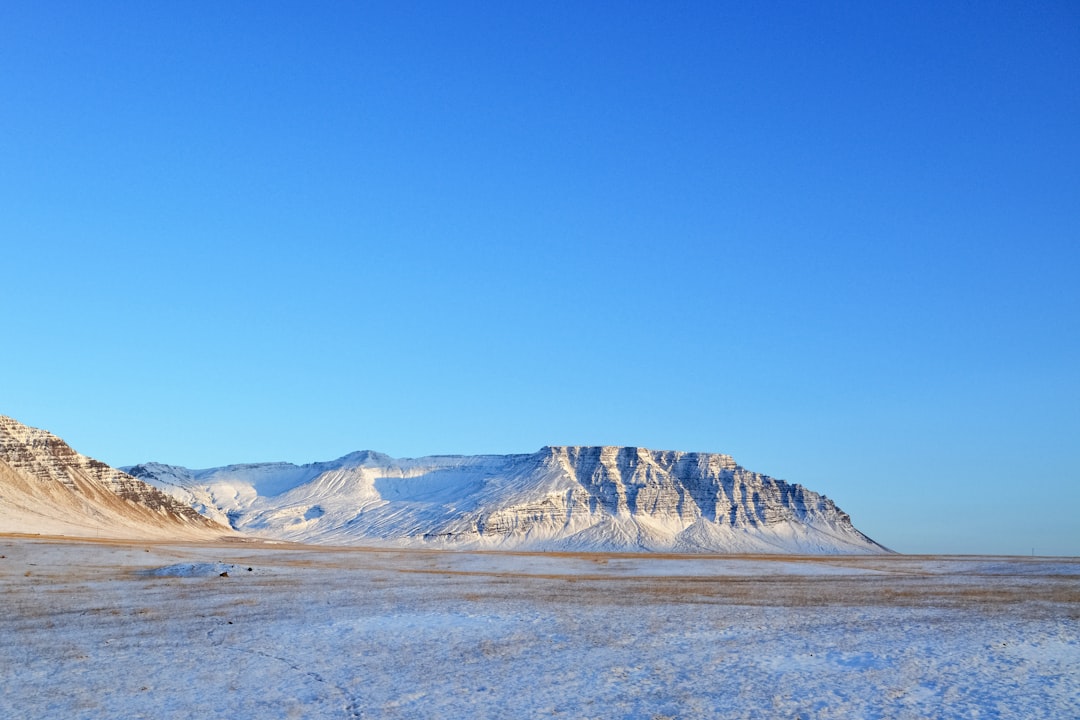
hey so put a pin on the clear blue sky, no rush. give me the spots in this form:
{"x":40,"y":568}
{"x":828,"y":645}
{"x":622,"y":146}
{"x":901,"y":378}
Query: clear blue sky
{"x":838,"y":241}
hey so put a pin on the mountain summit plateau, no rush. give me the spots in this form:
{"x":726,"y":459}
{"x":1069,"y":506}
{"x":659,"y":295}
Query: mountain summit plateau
{"x":571,"y":498}
{"x":559,"y":498}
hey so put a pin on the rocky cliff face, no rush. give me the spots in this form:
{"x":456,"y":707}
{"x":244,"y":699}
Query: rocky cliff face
{"x":609,"y":498}
{"x":673,"y":488}
{"x":46,"y":486}
{"x":584,"y":498}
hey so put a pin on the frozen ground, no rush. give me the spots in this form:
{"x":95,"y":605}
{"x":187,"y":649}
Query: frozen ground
{"x":121,"y":630}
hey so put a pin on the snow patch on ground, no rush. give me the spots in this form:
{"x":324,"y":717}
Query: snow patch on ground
{"x":198,"y":569}
{"x":108,"y":630}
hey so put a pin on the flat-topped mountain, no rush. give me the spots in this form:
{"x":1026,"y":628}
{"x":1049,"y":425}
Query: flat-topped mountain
{"x":560,"y":498}
{"x":46,"y":487}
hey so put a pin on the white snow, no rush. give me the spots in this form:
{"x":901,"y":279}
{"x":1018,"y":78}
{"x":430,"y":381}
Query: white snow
{"x":560,"y":498}
{"x":115,"y":629}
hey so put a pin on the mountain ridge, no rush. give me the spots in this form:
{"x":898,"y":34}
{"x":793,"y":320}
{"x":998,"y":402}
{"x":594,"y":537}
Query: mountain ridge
{"x":46,"y":486}
{"x":561,"y":497}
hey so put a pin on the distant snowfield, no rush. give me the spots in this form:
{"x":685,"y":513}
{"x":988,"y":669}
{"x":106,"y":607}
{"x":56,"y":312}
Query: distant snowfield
{"x":138,"y":630}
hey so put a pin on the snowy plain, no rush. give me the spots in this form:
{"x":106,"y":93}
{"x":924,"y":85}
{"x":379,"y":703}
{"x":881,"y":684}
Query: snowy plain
{"x":115,"y":629}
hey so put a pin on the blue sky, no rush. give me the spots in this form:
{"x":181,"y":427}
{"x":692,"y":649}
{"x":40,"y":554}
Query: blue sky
{"x":838,"y":241}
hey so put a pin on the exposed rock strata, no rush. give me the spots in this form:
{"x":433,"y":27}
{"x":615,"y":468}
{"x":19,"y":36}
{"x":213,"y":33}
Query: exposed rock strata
{"x":46,"y":486}
{"x":613,"y":498}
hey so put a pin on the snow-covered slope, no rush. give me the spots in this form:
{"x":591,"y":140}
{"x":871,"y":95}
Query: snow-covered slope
{"x":46,"y":487}
{"x":594,"y":498}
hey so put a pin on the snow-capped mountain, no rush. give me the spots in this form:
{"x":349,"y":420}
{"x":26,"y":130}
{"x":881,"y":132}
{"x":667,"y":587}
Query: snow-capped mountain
{"x":46,"y":487}
{"x":587,"y":498}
